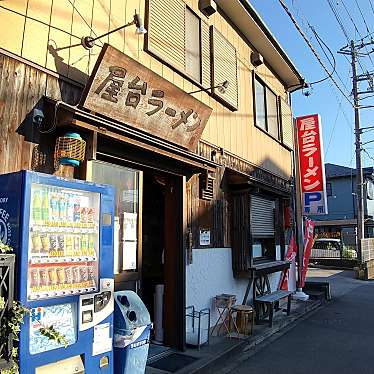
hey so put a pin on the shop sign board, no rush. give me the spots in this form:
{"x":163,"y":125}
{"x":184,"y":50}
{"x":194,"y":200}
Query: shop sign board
{"x":122,"y":89}
{"x":312,"y":171}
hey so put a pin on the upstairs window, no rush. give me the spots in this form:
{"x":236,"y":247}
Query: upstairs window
{"x":266,"y":109}
{"x":178,"y":37}
{"x":193,"y":55}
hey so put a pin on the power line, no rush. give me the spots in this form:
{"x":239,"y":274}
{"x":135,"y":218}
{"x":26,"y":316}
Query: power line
{"x":368,"y":154}
{"x":358,"y":31}
{"x":333,"y":127}
{"x":333,"y":64}
{"x":371,"y":5}
{"x":359,"y":8}
{"x":338,"y":20}
{"x":284,"y":6}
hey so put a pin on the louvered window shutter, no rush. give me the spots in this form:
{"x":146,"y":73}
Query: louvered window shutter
{"x":224,"y":68}
{"x":205,"y":55}
{"x":166,"y":31}
{"x":287,"y":124}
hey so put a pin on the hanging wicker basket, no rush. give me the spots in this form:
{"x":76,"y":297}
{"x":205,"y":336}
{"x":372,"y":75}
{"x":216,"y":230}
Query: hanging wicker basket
{"x":69,"y":150}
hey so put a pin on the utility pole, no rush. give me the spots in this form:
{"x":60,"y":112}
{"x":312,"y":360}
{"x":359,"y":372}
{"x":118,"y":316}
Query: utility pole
{"x":359,"y":173}
{"x":354,"y":51}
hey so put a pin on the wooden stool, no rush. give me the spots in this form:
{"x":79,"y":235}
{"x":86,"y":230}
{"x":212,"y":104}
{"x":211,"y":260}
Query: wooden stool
{"x":223,"y":304}
{"x":241,"y":319}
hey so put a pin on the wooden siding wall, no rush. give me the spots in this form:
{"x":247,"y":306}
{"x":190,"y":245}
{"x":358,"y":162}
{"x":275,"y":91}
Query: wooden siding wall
{"x":21,"y":87}
{"x":210,"y":215}
{"x":39,"y":27}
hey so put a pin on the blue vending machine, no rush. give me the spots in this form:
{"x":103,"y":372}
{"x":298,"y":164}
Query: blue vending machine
{"x":62,"y":233}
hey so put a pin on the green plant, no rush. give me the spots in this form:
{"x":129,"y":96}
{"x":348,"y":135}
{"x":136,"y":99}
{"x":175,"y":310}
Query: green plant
{"x":51,"y":333}
{"x":5,"y":248}
{"x":349,"y":253}
{"x":11,"y":326}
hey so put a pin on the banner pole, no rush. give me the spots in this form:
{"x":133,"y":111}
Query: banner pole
{"x":300,"y":295}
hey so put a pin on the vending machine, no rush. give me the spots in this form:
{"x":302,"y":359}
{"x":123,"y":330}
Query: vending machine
{"x":62,"y":234}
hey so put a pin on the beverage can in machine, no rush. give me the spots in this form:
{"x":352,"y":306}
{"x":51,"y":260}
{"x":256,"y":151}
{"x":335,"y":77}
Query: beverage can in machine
{"x":34,"y":277}
{"x":52,"y":274}
{"x":43,"y":277}
{"x":60,"y":271}
{"x":76,"y":274}
{"x":68,"y":275}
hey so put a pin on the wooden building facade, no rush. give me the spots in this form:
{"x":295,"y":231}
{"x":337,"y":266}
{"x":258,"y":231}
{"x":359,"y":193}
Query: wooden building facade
{"x":216,"y":208}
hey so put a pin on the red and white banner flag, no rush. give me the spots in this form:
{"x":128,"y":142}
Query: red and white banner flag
{"x":308,"y":245}
{"x":288,"y":278}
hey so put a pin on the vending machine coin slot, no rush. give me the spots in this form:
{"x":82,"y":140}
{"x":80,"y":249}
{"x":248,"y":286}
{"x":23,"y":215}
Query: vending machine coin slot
{"x":86,"y":302}
{"x":101,"y":300}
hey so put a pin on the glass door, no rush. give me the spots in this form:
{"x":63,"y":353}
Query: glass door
{"x":127,"y":220}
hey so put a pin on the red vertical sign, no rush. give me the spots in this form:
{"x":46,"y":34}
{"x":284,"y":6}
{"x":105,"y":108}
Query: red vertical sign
{"x":312,"y":171}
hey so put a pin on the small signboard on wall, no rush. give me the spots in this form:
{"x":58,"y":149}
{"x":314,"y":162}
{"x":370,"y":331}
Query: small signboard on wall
{"x":204,"y":237}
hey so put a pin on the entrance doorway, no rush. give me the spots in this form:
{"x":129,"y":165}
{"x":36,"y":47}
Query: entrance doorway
{"x":151,"y":202}
{"x":153,"y":250}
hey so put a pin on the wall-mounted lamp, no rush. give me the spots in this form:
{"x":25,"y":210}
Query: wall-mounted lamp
{"x":88,"y":42}
{"x":221,"y":88}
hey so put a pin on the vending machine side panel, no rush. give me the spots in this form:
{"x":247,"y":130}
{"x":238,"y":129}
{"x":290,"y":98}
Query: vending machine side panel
{"x":10,"y":209}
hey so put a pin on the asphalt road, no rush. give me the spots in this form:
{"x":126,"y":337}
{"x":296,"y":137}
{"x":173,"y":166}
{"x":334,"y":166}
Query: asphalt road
{"x":338,"y":338}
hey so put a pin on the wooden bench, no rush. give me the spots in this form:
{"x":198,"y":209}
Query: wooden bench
{"x":272,"y":300}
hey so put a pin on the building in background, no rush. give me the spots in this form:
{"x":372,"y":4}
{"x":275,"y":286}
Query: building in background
{"x":341,"y":220}
{"x":202,"y":218}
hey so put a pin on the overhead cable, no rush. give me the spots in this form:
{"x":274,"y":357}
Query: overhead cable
{"x":338,"y":20}
{"x":362,"y":15}
{"x":358,"y":31}
{"x":284,"y":6}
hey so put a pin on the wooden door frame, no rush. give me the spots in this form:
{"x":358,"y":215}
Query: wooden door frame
{"x":175,"y":263}
{"x":175,"y":321}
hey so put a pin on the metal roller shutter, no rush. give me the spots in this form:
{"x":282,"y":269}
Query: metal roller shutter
{"x":262,"y":217}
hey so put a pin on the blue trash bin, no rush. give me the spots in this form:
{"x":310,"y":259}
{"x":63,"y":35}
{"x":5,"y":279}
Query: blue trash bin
{"x":132,"y":325}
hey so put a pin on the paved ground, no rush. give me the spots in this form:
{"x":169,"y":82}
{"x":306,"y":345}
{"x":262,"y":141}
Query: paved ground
{"x":336,"y":339}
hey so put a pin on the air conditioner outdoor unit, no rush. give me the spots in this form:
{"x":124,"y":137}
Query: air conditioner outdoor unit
{"x":257,"y":59}
{"x":208,"y":7}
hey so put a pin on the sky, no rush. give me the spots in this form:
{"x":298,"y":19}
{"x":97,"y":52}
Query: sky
{"x":336,"y":112}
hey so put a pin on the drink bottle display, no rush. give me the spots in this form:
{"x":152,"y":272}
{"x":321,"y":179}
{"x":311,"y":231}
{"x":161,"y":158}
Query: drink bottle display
{"x":53,"y":202}
{"x":62,"y":208}
{"x":70,"y":208}
{"x":45,"y":206}
{"x":64,"y":241}
{"x":37,"y":207}
{"x":77,"y":210}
